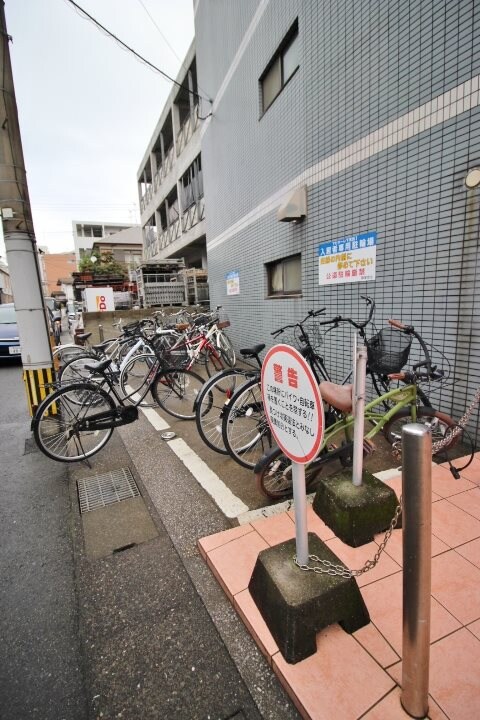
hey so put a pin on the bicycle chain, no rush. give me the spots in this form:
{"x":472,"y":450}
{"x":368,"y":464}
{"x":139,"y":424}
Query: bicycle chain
{"x":450,"y":434}
{"x":329,"y":568}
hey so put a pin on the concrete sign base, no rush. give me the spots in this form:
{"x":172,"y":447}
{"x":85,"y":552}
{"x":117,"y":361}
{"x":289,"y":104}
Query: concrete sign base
{"x":355,"y":513}
{"x":296,"y":604}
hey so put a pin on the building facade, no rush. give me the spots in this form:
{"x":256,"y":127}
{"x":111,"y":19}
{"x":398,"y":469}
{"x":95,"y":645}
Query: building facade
{"x":170,"y":177}
{"x":370,"y":111}
{"x":85,"y":233}
{"x":53,"y":267}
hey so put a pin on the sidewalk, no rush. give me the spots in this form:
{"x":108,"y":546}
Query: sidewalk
{"x":359,"y":675}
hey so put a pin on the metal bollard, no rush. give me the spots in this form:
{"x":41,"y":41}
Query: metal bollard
{"x":417,"y":561}
{"x":100,"y":333}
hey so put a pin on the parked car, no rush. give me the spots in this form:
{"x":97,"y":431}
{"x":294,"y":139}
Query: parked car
{"x":9,"y":339}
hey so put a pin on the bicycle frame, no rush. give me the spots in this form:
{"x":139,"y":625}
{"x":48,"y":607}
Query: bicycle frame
{"x":400,"y":396}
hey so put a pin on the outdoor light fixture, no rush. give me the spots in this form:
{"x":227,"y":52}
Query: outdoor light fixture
{"x":472,"y":179}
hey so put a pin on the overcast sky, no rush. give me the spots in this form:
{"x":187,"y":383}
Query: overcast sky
{"x":87,"y":108}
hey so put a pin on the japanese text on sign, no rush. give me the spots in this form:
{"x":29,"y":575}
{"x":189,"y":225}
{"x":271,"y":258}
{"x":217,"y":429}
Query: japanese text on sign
{"x":350,"y":259}
{"x":292,"y":403}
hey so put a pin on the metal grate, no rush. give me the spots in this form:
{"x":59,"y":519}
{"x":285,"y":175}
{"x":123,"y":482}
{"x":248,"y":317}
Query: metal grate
{"x":102,"y":490}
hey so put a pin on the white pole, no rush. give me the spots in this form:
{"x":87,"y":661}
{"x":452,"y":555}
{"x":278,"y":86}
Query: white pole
{"x":300,"y":503}
{"x":359,"y":424}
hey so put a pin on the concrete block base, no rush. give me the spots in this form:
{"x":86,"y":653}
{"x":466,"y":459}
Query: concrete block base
{"x":296,"y":604}
{"x":355,"y":514}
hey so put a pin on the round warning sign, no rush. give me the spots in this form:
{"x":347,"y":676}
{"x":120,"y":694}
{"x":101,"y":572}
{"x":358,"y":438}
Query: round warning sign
{"x":292,"y":403}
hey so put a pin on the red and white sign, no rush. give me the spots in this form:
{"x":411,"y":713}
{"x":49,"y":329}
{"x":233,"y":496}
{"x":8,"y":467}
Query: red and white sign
{"x":99,"y":299}
{"x":292,"y":403}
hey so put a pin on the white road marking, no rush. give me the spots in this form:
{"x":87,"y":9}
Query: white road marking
{"x":154,"y":418}
{"x":228,"y":503}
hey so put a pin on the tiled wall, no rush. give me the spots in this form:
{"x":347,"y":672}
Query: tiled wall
{"x":381,"y":122}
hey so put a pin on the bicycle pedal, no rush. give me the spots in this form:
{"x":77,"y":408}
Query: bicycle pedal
{"x":368,"y":447}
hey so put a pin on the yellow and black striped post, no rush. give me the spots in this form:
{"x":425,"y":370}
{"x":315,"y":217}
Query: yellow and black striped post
{"x":38,"y":384}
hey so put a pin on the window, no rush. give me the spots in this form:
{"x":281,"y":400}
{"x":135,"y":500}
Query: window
{"x":281,"y":67}
{"x":284,"y":276}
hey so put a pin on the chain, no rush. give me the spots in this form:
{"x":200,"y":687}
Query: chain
{"x":328,"y":568}
{"x":449,"y":435}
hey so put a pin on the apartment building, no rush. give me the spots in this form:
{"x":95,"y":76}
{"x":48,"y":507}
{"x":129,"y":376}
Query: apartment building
{"x":341,"y":159}
{"x":85,"y":233}
{"x":170,"y":177}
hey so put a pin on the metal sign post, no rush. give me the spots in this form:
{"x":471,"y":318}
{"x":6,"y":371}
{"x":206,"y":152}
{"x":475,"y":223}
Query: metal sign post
{"x":359,"y":405}
{"x":294,"y":411}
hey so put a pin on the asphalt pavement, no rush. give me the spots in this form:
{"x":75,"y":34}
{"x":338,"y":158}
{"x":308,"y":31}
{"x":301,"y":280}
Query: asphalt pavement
{"x":112,"y":613}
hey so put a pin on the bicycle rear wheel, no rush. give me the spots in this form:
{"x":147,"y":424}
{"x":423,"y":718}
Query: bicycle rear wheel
{"x":75,"y":370}
{"x":436,"y":421}
{"x":60,"y":423}
{"x":274,"y":475}
{"x":176,"y":391}
{"x":215,"y":361}
{"x":211,"y":405}
{"x":245,"y":430}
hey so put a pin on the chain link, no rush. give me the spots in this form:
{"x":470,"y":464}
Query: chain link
{"x":449,"y":435}
{"x":328,"y":568}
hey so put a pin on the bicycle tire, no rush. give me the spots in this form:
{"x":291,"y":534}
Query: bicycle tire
{"x":215,"y":361}
{"x":273,"y":475}
{"x":54,"y":424}
{"x":65,"y":353}
{"x":438,"y":422}
{"x":224,"y":344}
{"x":75,"y":370}
{"x":176,"y":390}
{"x":245,"y":430}
{"x":136,"y":377}
{"x":210,"y":406}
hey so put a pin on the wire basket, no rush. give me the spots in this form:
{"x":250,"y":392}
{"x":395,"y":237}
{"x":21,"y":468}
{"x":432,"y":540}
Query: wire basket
{"x":388,"y":351}
{"x":171,"y":357}
{"x":222,"y":319}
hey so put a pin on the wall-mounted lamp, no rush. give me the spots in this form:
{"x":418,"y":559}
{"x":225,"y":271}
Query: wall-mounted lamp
{"x":294,"y":208}
{"x":472,"y":179}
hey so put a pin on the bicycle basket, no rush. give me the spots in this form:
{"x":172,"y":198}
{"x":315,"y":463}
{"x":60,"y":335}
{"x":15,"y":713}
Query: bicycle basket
{"x":222,"y":320}
{"x":388,"y":351}
{"x":131,"y":329}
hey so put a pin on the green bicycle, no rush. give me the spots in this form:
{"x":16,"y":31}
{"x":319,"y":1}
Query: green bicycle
{"x":386,"y":413}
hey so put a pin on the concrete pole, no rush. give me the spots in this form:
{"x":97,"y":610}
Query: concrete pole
{"x":20,"y":244}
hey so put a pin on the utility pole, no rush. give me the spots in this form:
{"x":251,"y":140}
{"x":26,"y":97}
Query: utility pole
{"x":20,"y":244}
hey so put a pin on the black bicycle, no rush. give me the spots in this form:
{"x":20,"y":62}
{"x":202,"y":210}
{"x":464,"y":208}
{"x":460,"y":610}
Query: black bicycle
{"x":76,"y":421}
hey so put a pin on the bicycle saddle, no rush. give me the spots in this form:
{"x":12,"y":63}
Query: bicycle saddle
{"x":339,"y":396}
{"x":253,"y":351}
{"x":83,"y":336}
{"x":98,"y":366}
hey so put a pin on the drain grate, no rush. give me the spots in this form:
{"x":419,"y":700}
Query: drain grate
{"x":102,"y":490}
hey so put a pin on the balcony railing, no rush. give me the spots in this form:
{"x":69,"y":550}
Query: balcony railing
{"x":169,"y":235}
{"x":164,"y":168}
{"x":193,"y":215}
{"x":151,"y":243}
{"x":186,"y":131}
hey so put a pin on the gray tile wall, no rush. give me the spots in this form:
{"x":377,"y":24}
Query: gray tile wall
{"x":364,"y":65}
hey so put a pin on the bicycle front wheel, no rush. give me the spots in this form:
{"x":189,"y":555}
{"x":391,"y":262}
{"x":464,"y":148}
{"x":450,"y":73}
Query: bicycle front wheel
{"x":245,"y":430}
{"x":176,"y":391}
{"x":137,"y":376}
{"x":212,"y":402}
{"x":225,"y":346}
{"x":439,"y":424}
{"x":60,"y":425}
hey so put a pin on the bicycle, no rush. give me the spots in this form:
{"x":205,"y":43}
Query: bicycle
{"x":245,"y":431}
{"x":273,"y":472}
{"x":215,"y":396}
{"x":76,"y":421}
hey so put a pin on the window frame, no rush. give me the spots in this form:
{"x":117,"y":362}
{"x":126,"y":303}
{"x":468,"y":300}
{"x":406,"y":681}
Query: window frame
{"x":287,"y":42}
{"x":282,"y":262}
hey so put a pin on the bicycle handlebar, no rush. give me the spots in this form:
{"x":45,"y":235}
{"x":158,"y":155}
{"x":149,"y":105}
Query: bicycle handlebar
{"x":310,"y":314}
